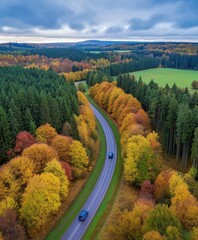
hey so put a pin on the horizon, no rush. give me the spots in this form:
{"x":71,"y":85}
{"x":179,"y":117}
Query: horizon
{"x":59,"y":41}
{"x":44,"y":21}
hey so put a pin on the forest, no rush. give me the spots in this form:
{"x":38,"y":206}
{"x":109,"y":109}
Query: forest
{"x":30,"y":98}
{"x":45,"y":160}
{"x":173,"y":113}
{"x":166,"y":206}
{"x":49,"y":138}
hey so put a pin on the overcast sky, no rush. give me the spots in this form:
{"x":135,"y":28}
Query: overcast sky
{"x":75,"y":20}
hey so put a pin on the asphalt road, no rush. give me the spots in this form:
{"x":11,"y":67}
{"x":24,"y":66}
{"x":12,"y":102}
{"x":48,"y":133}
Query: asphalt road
{"x":77,"y":228}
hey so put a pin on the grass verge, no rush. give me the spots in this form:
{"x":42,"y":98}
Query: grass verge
{"x":82,"y":197}
{"x":107,"y":203}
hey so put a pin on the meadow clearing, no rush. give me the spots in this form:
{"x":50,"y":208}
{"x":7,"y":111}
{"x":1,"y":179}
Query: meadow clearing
{"x":162,"y":76}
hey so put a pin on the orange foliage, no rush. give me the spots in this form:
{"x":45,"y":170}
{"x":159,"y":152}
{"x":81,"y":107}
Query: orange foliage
{"x":187,"y":211}
{"x":128,"y":120}
{"x":59,"y":65}
{"x":153,"y":139}
{"x":142,"y":118}
{"x":133,"y":105}
{"x":161,"y":186}
{"x":62,"y":145}
{"x":40,"y":154}
{"x":119,"y":105}
{"x":116,"y":92}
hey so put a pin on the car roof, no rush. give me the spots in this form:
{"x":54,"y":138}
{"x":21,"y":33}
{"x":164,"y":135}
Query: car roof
{"x":83,"y":213}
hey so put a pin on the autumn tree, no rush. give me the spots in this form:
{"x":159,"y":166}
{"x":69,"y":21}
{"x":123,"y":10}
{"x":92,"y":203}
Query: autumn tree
{"x":45,"y":188}
{"x":154,"y":235}
{"x":45,"y":133}
{"x":142,"y":118}
{"x":22,"y":168}
{"x":160,"y":218}
{"x":78,"y":158}
{"x":55,"y":168}
{"x":8,"y":203}
{"x":195,"y":233}
{"x":173,"y":233}
{"x":127,"y":121}
{"x":187,"y":212}
{"x":192,"y":184}
{"x":40,"y":154}
{"x":23,"y":140}
{"x":130,"y":223}
{"x":161,"y":186}
{"x":86,"y":123}
{"x":9,"y":190}
{"x":147,"y":191}
{"x":138,"y":165}
{"x":62,"y":146}
{"x":134,"y":106}
{"x":10,"y":227}
{"x":68,"y":170}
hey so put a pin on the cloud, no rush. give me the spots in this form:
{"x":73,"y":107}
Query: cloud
{"x":114,"y":29}
{"x":113,"y":19}
{"x":141,"y":24}
{"x":37,"y":13}
{"x":76,"y":26}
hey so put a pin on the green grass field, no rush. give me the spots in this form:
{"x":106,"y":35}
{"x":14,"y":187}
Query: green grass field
{"x":163,"y":76}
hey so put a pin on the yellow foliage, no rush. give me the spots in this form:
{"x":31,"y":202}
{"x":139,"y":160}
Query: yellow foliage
{"x":78,"y":158}
{"x":99,"y":63}
{"x":112,"y":98}
{"x":128,"y":121}
{"x":7,"y":203}
{"x":135,"y":147}
{"x":173,"y":233}
{"x":22,"y":168}
{"x":40,"y":200}
{"x":8,"y":186}
{"x":154,"y":235}
{"x":175,"y":181}
{"x":195,"y":233}
{"x":76,"y":76}
{"x":134,"y":129}
{"x":82,"y":99}
{"x":55,"y":168}
{"x":45,"y":133}
{"x":153,"y":138}
{"x":119,"y":103}
{"x":181,"y":192}
{"x":86,"y":122}
{"x":129,"y":223}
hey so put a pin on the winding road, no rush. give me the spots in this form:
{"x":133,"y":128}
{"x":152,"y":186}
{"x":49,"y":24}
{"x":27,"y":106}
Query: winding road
{"x":77,"y":228}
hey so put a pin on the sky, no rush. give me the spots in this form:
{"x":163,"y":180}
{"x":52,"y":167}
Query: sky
{"x":78,"y":20}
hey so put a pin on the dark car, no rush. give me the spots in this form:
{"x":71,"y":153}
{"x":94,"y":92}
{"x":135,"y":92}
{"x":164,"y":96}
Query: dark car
{"x":83,"y":215}
{"x":110,"y":155}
